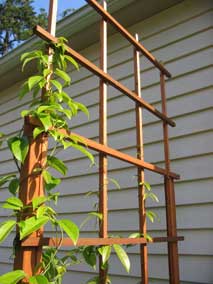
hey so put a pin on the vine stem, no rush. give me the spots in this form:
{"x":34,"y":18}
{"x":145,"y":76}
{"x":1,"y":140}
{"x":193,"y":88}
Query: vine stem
{"x":17,"y":165}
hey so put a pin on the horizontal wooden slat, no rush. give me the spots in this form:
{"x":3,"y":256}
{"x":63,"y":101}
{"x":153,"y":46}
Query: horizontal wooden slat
{"x":95,"y":241}
{"x":106,"y":77}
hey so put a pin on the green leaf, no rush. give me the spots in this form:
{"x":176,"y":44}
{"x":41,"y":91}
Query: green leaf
{"x":19,"y":146}
{"x":31,"y":225}
{"x":46,"y":72}
{"x":70,"y":228}
{"x":72,"y":61}
{"x":89,"y":255}
{"x":147,"y":185}
{"x":37,"y":131}
{"x":63,"y":75}
{"x":50,"y":181}
{"x":105,"y":252}
{"x":1,"y":135}
{"x":6,"y":178}
{"x":124,"y":259}
{"x":49,"y":107}
{"x":57,"y":85}
{"x":12,"y":277}
{"x":27,"y":60}
{"x":148,"y":237}
{"x":96,"y":214}
{"x":24,"y":90}
{"x":5,"y":229}
{"x":45,"y":120}
{"x":37,"y":201}
{"x":153,"y":196}
{"x":57,"y":164}
{"x":42,"y":210}
{"x":83,"y":108}
{"x":13,"y":203}
{"x":84,"y":151}
{"x":24,"y":55}
{"x":32,"y":81}
{"x":94,"y":280}
{"x":115,"y":182}
{"x":135,"y":235}
{"x":28,"y":56}
{"x":14,"y":186}
{"x":38,"y":279}
{"x":151,"y":215}
{"x":90,"y":216}
{"x":25,"y":113}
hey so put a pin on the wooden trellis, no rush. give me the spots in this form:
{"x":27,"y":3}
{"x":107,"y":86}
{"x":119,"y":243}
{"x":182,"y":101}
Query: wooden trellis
{"x":31,"y":248}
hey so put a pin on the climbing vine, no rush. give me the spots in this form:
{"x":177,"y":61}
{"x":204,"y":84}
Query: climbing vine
{"x":51,"y":113}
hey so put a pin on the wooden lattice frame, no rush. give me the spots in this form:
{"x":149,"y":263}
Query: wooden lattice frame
{"x":30,"y":253}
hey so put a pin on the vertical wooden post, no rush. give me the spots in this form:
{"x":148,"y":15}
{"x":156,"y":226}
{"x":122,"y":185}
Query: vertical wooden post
{"x":140,"y":155}
{"x":103,"y":181}
{"x":31,"y":184}
{"x":169,"y":198}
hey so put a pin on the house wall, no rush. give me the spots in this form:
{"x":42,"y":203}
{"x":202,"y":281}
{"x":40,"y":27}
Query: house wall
{"x":181,"y":37}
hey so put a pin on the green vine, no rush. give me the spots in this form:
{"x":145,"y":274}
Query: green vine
{"x":51,"y":112}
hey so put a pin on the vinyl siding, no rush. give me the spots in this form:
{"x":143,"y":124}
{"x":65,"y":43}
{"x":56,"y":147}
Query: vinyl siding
{"x":181,"y":37}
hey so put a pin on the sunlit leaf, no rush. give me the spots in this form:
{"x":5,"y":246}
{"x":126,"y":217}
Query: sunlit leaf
{"x":32,"y":81}
{"x":12,"y":277}
{"x":83,"y":108}
{"x":38,"y":279}
{"x":70,"y":228}
{"x":151,"y":215}
{"x":57,"y":164}
{"x":134,"y":235}
{"x":96,"y":214}
{"x":6,"y":178}
{"x":37,"y":131}
{"x":72,"y":61}
{"x":124,"y":259}
{"x":63,"y":75}
{"x":5,"y":229}
{"x":24,"y":90}
{"x":13,"y":203}
{"x":25,"y":113}
{"x":19,"y":146}
{"x":57,"y":85}
{"x":147,"y":185}
{"x":148,"y":237}
{"x":105,"y":252}
{"x":115,"y":182}
{"x":37,"y":201}
{"x":84,"y":151}
{"x":31,"y":225}
{"x":1,"y":141}
{"x":45,"y":120}
{"x":50,"y":181}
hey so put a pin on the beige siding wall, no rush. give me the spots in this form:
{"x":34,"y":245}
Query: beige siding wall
{"x":181,"y":37}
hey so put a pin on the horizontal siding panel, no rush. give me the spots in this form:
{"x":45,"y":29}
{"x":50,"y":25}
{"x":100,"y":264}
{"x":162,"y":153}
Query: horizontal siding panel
{"x":181,"y":37}
{"x":128,"y":219}
{"x":123,"y":106}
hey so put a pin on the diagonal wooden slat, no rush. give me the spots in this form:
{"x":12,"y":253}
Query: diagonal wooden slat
{"x":106,"y":77}
{"x":128,"y":36}
{"x":112,"y":152}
